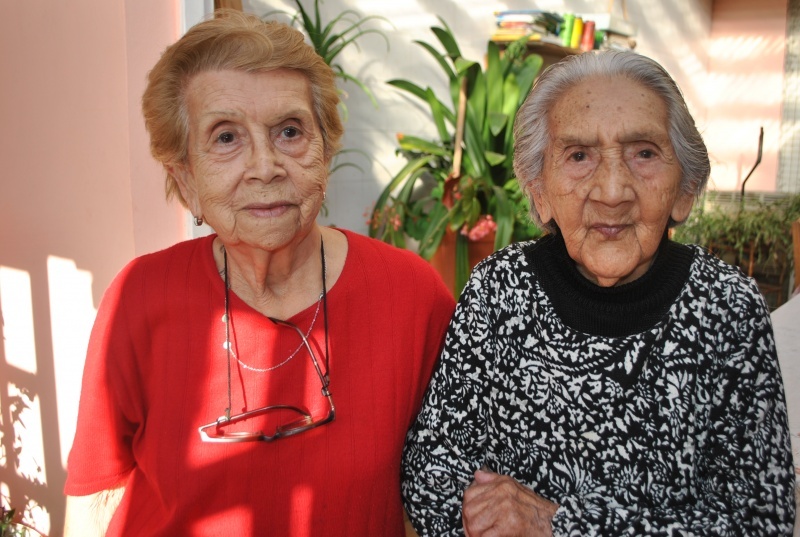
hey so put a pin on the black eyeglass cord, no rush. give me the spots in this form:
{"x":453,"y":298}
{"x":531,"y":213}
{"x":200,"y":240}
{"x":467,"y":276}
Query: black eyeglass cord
{"x":325,"y":390}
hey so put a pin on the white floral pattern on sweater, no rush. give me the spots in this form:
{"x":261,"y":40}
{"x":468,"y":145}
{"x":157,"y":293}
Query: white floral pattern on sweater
{"x":680,"y":429}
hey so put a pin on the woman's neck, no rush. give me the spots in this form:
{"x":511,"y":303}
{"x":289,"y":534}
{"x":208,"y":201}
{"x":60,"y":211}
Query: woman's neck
{"x":278,"y":283}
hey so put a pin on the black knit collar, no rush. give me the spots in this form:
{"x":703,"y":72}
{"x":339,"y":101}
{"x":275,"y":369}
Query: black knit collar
{"x":609,"y":311}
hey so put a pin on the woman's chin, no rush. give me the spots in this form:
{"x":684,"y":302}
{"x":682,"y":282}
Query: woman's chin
{"x":608,"y":273}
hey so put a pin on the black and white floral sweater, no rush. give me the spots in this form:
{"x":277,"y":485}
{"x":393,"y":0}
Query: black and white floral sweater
{"x":652,"y":408}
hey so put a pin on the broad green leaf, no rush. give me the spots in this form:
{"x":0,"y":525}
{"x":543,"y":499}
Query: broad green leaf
{"x":413,"y":143}
{"x":510,"y":90}
{"x":497,"y":122}
{"x":463,"y":65}
{"x":437,"y":226}
{"x":532,"y":65}
{"x":441,"y":114}
{"x":445,"y":37}
{"x":474,"y":212}
{"x":440,"y":58}
{"x":408,"y":188}
{"x":494,"y":80}
{"x":494,"y":158}
{"x":504,"y":218}
{"x":475,"y":148}
{"x":409,"y":87}
{"x":457,"y":216}
{"x":402,"y":175}
{"x":477,"y":102}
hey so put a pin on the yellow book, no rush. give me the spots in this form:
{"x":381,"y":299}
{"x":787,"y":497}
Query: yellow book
{"x":577,"y":33}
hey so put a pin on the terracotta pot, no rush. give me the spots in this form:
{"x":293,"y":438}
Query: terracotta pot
{"x":444,"y":260}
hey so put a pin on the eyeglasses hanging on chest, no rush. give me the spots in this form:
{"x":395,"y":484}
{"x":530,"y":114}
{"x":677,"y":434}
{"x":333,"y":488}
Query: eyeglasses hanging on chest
{"x":293,"y":419}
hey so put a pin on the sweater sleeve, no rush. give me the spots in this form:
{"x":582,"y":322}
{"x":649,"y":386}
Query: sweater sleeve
{"x":108,"y":417}
{"x":445,"y":445}
{"x":744,"y":468}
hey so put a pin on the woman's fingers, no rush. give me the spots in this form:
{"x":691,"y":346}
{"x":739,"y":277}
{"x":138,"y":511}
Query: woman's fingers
{"x":498,"y":505}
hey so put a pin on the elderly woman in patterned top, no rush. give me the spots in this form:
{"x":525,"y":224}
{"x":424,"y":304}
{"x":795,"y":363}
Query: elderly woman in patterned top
{"x":605,"y":380}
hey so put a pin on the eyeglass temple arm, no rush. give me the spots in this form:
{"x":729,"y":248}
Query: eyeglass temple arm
{"x":323,"y":377}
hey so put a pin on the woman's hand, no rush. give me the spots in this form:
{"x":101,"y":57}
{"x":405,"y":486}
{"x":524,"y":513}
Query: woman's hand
{"x":497,"y":505}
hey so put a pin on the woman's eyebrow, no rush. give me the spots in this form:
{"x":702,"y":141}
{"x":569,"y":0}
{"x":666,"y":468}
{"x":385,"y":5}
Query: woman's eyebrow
{"x":588,"y":140}
{"x":224,"y":114}
{"x":644,"y":135}
{"x":576,"y":139}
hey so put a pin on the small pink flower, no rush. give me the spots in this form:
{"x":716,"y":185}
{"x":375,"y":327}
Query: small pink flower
{"x":482,"y":227}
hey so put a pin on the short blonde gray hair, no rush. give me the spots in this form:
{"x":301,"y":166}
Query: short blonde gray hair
{"x":231,"y":40}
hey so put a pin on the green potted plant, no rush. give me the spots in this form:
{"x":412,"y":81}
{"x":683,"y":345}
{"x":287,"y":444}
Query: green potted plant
{"x":756,"y":237}
{"x":463,"y":182}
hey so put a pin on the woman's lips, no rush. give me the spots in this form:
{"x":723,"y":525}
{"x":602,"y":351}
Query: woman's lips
{"x":610,"y":231}
{"x":268,"y":209}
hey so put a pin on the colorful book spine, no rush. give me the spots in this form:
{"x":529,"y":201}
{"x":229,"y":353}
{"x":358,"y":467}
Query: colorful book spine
{"x":587,"y":40}
{"x":566,"y":29}
{"x":577,"y":33}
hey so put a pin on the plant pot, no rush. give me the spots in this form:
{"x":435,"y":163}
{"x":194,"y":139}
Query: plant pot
{"x":444,"y":260}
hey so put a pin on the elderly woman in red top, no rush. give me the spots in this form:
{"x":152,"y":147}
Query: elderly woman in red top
{"x":261,"y":380}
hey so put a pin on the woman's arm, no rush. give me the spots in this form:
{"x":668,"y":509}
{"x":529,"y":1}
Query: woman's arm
{"x":89,"y":516}
{"x":445,"y":444}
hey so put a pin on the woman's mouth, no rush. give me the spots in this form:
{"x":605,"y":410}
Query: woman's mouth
{"x":610,"y":231}
{"x":267,"y":210}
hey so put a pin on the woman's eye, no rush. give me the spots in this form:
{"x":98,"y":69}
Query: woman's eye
{"x":646,"y":153}
{"x":578,"y":156}
{"x":290,"y":132}
{"x":226,"y":137}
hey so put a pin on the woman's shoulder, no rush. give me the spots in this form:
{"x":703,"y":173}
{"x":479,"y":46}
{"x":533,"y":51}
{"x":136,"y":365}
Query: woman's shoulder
{"x":514,"y":257}
{"x":372,"y":262}
{"x":178,"y":260}
{"x":376,"y":251}
{"x":722,"y":282}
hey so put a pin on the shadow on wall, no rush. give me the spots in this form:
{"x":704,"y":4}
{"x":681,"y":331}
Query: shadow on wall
{"x":36,"y":423}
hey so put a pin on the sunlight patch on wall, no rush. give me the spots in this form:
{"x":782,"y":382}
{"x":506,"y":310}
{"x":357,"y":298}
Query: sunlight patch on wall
{"x":740,"y":48}
{"x":72,"y":313}
{"x":33,"y":514}
{"x":17,"y":319}
{"x":26,"y":422}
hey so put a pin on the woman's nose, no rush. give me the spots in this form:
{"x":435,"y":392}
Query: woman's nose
{"x":612,"y":182}
{"x":265,"y":162}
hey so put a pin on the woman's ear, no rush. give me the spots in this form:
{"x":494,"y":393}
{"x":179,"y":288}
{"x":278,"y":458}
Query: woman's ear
{"x":540,"y":201}
{"x":186,"y":184}
{"x":682,"y":207}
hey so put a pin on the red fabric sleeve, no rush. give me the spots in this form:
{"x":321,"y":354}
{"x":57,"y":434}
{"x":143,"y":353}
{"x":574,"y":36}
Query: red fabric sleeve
{"x":101,"y":454}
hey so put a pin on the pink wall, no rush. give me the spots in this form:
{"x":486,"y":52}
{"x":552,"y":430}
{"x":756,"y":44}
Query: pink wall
{"x":79,"y":197}
{"x":744,"y":91}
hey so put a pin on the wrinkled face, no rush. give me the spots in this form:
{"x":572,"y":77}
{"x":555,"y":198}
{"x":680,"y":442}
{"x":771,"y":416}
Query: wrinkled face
{"x":255,"y":169}
{"x":611,"y":180}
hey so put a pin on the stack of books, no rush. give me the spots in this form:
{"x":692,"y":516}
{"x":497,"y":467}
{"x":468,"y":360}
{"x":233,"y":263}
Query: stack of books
{"x":612,"y":32}
{"x":538,"y":25}
{"x":575,"y":31}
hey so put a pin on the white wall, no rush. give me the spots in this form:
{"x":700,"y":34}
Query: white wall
{"x":674,"y":33}
{"x":79,"y":197}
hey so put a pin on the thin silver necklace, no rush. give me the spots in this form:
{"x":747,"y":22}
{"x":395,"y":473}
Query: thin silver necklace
{"x":226,"y":318}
